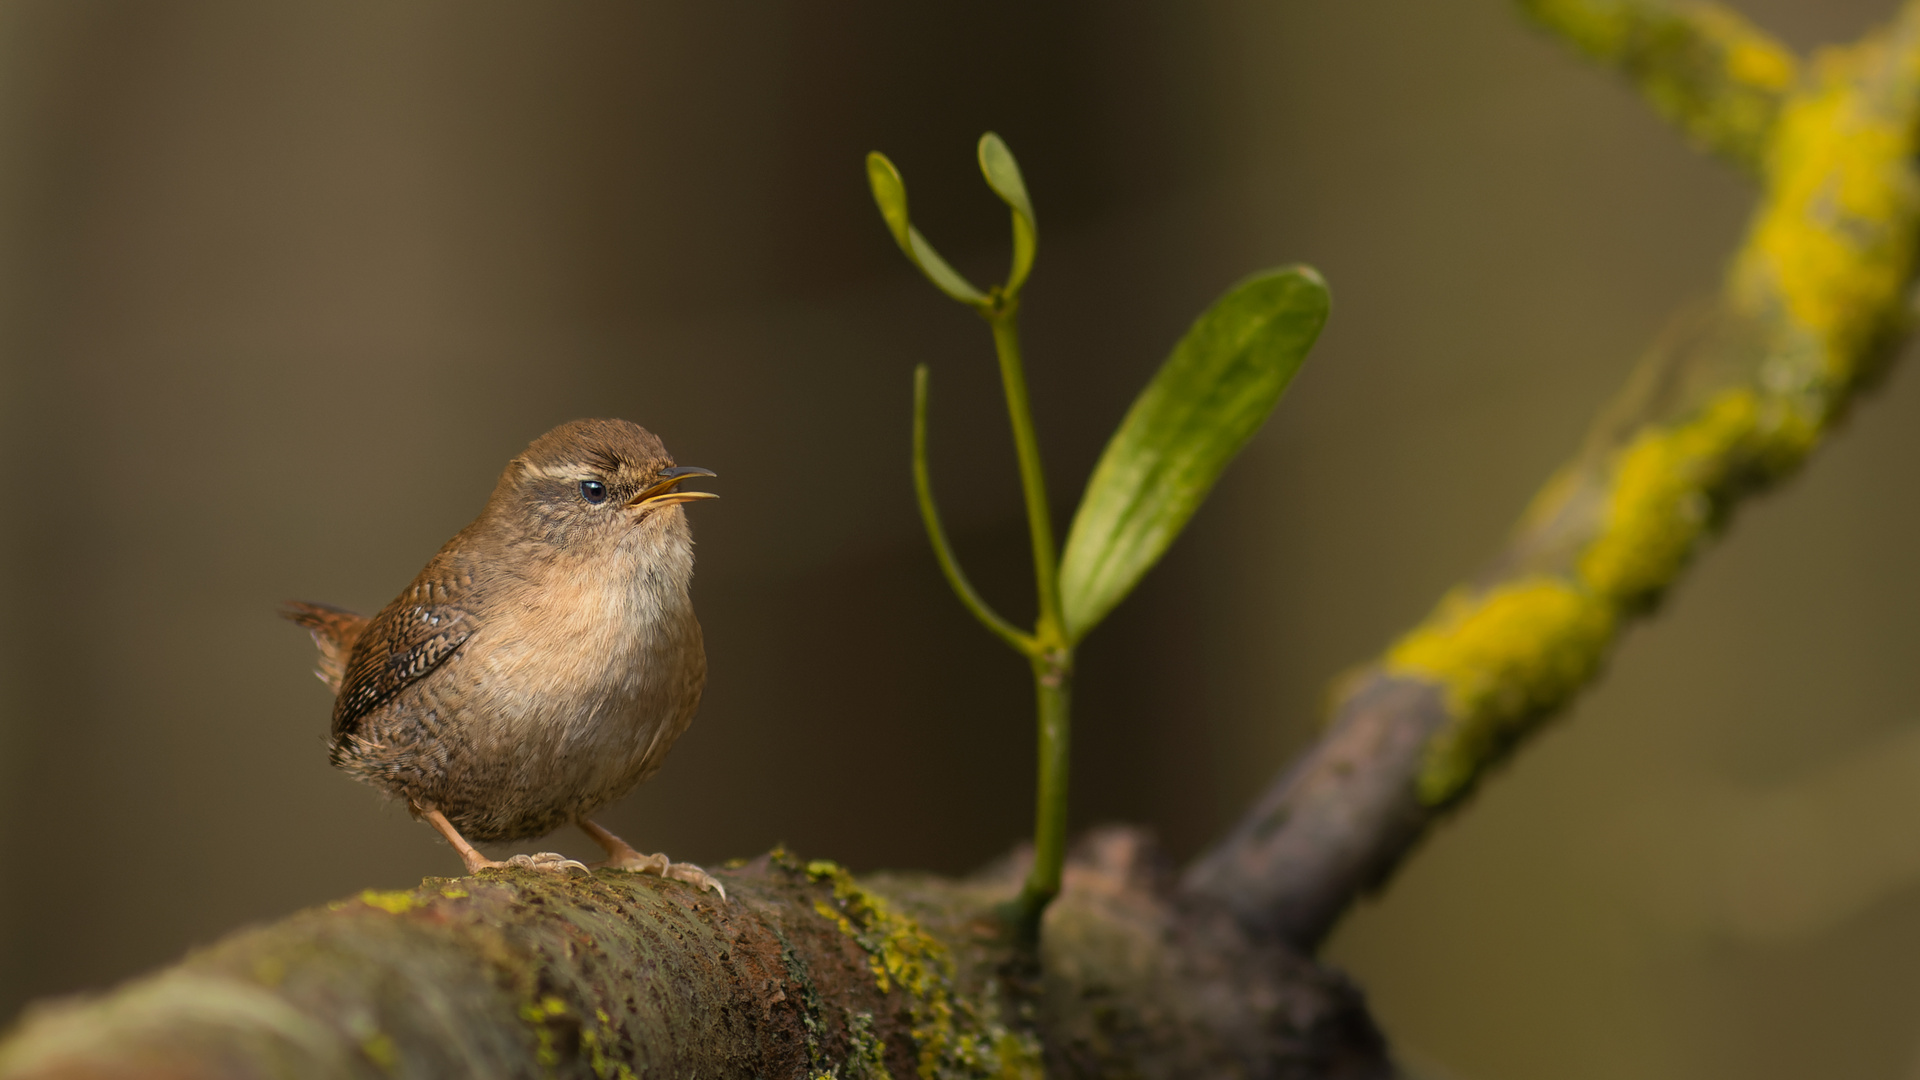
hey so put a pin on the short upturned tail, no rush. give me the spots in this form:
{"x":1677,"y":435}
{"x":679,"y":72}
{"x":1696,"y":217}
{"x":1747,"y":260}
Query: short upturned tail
{"x":334,"y":631}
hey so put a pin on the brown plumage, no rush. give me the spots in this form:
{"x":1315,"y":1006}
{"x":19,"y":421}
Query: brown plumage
{"x":543,"y":663}
{"x":334,"y":631}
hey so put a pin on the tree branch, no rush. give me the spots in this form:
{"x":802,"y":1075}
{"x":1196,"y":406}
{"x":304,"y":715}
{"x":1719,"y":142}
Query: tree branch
{"x":1702,"y":65}
{"x":807,"y":973}
{"x":1730,"y":401}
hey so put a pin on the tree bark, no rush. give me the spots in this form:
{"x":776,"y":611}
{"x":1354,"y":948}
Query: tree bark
{"x":804,"y":972}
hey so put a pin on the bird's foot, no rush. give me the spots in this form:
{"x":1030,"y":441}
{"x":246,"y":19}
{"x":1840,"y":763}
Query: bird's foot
{"x":551,"y":862}
{"x":659,"y":864}
{"x":547,"y":862}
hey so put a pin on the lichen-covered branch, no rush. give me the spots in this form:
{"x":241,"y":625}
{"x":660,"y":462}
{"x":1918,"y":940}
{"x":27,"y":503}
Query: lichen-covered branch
{"x":1733,"y":399}
{"x":1702,"y":65}
{"x":808,"y":972}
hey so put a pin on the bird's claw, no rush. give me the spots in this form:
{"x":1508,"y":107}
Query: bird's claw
{"x":666,"y":868}
{"x":635,"y":862}
{"x":550,"y":862}
{"x":696,"y":877}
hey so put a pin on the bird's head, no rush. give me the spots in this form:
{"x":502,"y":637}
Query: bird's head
{"x":590,"y":485}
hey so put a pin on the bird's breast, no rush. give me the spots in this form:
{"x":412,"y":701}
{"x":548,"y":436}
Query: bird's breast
{"x":578,"y":654}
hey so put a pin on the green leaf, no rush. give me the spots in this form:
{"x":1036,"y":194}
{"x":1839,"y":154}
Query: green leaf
{"x":1003,"y":176}
{"x":890,"y":194}
{"x":1206,"y":401}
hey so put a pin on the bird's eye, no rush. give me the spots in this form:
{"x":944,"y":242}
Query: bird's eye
{"x":593,"y":491}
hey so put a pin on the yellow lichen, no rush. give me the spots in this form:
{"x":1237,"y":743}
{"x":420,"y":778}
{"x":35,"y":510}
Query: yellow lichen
{"x":954,"y":1038}
{"x":594,"y":1041}
{"x":270,"y":970}
{"x":397,"y":902}
{"x":1507,"y":655}
{"x":1661,"y":498}
{"x":1820,"y":281}
{"x":537,"y":1013}
{"x":379,"y":1049}
{"x":1703,"y":65}
{"x":1751,"y":58}
{"x":1501,"y":657}
{"x":1731,"y":101}
{"x":866,"y":1052}
{"x":1833,"y":244}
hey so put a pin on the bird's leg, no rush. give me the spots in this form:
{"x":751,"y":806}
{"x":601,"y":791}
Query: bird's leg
{"x":547,"y":861}
{"x":475,"y":861}
{"x":622,"y":856}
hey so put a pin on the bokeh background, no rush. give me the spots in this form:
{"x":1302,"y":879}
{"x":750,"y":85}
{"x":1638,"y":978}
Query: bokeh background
{"x":283,"y":286}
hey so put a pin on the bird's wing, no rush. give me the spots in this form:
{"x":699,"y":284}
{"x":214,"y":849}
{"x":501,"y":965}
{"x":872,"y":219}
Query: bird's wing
{"x":334,"y":632}
{"x":409,"y":638}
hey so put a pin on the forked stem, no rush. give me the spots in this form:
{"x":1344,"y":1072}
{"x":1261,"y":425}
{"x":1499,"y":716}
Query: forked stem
{"x":1047,"y":648}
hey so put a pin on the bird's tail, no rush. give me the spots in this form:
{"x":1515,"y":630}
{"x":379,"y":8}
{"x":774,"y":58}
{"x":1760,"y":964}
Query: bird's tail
{"x":334,"y":631}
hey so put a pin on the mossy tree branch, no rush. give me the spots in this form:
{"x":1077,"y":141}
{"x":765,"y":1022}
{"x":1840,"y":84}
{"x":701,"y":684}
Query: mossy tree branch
{"x":807,"y":973}
{"x":1731,"y":401}
{"x":1702,"y":65}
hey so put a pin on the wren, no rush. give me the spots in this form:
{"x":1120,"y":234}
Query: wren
{"x":542,"y":664}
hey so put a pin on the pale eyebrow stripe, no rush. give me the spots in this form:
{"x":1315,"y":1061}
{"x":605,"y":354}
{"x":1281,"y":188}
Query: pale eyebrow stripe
{"x":562,"y":472}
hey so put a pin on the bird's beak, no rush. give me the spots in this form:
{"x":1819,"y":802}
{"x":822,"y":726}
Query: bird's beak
{"x":662,"y":493}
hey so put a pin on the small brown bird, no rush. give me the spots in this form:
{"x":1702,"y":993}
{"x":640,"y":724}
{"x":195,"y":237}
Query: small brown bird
{"x":542,"y":664}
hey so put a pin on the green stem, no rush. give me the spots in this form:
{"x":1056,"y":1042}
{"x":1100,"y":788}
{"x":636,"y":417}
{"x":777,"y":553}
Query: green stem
{"x":1053,"y":683}
{"x":1053,"y":655}
{"x":930,"y":514}
{"x":1049,"y":629}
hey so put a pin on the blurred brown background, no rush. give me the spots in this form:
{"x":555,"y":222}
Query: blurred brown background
{"x":285,"y":285}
